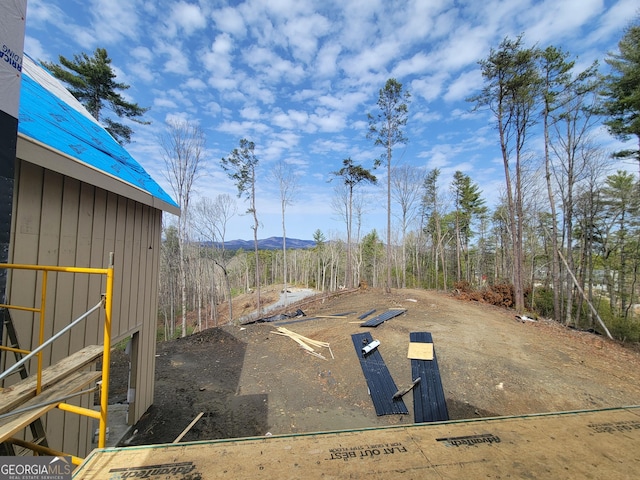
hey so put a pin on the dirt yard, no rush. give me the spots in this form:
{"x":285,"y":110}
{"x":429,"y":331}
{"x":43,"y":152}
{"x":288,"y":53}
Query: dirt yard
{"x":249,"y":381}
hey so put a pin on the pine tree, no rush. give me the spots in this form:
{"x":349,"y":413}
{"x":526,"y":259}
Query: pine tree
{"x":93,"y":82}
{"x":352,"y":175}
{"x":386,"y":129}
{"x":623,"y":91}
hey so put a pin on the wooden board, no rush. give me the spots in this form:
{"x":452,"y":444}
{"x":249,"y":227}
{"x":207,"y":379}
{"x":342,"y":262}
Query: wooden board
{"x":420,"y":351}
{"x":15,"y":395}
{"x":587,"y":444}
{"x":72,"y":383}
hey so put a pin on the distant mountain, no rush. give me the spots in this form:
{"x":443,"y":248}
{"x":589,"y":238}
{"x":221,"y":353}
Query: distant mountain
{"x":271,"y":243}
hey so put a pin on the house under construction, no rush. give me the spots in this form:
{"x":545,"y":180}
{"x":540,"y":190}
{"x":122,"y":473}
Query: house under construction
{"x":82,"y":208}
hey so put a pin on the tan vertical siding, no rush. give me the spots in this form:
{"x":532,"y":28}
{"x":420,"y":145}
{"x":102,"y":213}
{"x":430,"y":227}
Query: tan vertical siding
{"x":26,"y":236}
{"x":99,"y":256}
{"x":122,"y":293}
{"x":62,"y":221}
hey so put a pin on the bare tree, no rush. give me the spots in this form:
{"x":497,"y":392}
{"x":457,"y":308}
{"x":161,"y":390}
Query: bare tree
{"x":183,"y":146}
{"x":432,"y":209}
{"x":555,"y":71}
{"x":212,"y":217}
{"x":241,"y":166}
{"x":286,"y":179}
{"x":572,"y":146}
{"x":406,"y":183}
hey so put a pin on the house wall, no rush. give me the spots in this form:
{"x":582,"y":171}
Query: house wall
{"x":58,"y":220}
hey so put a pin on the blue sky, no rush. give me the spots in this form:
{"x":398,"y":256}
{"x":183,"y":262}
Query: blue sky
{"x":299,"y":77}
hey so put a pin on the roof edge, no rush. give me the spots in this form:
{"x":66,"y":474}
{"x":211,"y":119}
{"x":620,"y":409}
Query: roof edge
{"x":33,"y":151}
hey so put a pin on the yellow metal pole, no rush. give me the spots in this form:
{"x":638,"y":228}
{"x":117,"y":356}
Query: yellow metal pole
{"x":106,"y":357}
{"x":44,"y":450}
{"x":16,"y":350}
{"x":43,"y":301}
{"x":67,"y":407}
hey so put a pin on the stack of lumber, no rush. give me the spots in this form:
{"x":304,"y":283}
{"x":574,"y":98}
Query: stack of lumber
{"x":304,"y":342}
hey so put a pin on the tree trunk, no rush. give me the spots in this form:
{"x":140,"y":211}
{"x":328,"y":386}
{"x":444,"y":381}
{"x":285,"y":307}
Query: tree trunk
{"x":555,"y":259}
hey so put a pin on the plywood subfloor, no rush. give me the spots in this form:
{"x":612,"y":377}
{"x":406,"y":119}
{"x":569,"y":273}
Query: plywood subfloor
{"x":588,"y":444}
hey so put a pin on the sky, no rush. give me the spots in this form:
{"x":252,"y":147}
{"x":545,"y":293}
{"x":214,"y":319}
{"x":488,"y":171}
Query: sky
{"x":298,"y":78}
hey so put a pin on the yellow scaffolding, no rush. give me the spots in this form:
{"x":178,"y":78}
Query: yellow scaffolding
{"x":105,"y":301}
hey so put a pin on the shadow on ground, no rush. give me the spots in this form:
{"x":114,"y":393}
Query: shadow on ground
{"x":201,"y":378}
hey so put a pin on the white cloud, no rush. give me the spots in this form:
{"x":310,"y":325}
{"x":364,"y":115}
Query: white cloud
{"x":359,"y":20}
{"x":229,"y":20}
{"x":326,"y":63}
{"x":425,"y":116}
{"x":303,"y":34}
{"x":418,"y":63}
{"x":177,"y":62}
{"x":256,"y":92}
{"x":292,"y":119}
{"x":328,"y":121}
{"x":463,"y":48}
{"x":428,"y":88}
{"x":142,"y":72}
{"x":178,"y":117}
{"x":250,"y":113}
{"x":164,"y":103}
{"x":219,"y":57}
{"x":142,"y":54}
{"x":41,"y":12}
{"x":113,"y":20}
{"x":213,"y":109}
{"x":35,"y":50}
{"x":272,"y":67}
{"x":195,"y":84}
{"x":242,"y":129}
{"x":465,"y":85}
{"x":614,"y":20}
{"x":188,"y":17}
{"x":374,"y":59}
{"x":551,"y":21}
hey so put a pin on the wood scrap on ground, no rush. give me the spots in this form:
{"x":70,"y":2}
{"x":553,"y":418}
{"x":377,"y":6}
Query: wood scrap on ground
{"x":403,"y":391}
{"x":305,"y":342}
{"x":186,"y":430}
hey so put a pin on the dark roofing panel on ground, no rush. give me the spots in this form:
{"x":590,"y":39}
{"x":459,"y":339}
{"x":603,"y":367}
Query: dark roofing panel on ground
{"x":429,"y":403}
{"x":383,"y":317}
{"x":366,"y":314}
{"x":379,"y":380}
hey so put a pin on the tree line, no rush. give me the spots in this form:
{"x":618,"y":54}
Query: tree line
{"x":562,"y":241}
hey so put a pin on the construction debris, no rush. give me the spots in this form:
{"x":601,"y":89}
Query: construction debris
{"x":186,"y":430}
{"x":369,"y":347}
{"x":403,"y":391}
{"x":305,"y":342}
{"x":275,"y":318}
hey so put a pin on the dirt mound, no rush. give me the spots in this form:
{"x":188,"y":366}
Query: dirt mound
{"x":249,"y":381}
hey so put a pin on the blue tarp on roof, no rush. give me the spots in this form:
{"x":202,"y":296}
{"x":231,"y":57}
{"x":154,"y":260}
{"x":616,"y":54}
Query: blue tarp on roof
{"x":47,"y":118}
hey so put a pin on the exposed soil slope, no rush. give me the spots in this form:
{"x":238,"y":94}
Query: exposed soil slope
{"x":249,"y":381}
